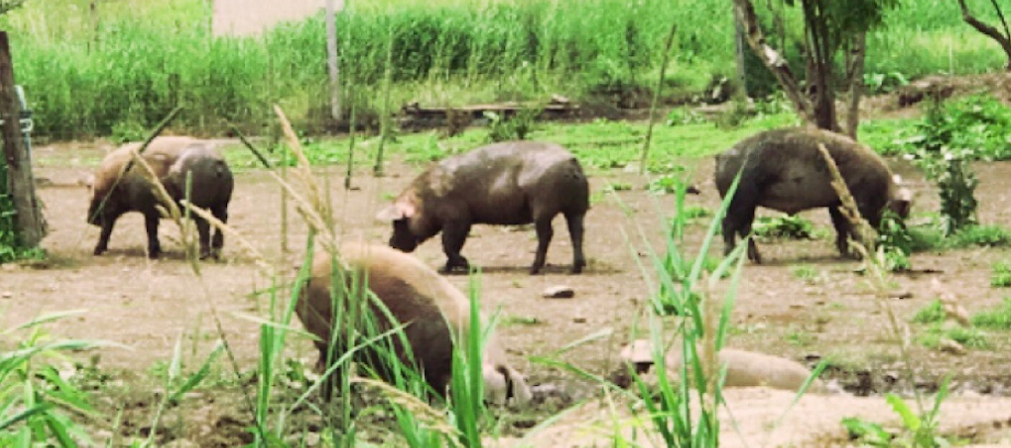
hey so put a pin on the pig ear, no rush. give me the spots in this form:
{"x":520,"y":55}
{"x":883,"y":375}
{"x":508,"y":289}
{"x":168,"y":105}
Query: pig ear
{"x":396,"y":211}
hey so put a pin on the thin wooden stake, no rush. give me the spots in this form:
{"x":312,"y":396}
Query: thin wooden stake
{"x":656,"y":98}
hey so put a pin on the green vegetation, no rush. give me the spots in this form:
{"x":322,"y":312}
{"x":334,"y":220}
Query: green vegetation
{"x":968,"y":337}
{"x":998,"y":318}
{"x":599,"y":144}
{"x":917,"y":431}
{"x":37,"y":406}
{"x":976,"y":126}
{"x":805,"y":272}
{"x":123,"y":67}
{"x":1001,"y":275}
{"x":934,"y":316}
{"x":784,"y":226}
{"x":932,"y":313}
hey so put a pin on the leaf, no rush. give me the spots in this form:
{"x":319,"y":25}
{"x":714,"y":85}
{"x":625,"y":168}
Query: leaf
{"x":909,"y":418}
{"x":195,"y":379}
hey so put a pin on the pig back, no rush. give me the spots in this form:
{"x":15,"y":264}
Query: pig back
{"x":791,"y":175}
{"x":211,"y":180}
{"x":414,"y":294}
{"x":502,"y":182}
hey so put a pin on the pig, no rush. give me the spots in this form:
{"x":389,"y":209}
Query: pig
{"x":431,"y":307}
{"x":744,"y":368}
{"x":507,"y":183}
{"x":172,"y":159}
{"x":783,"y":170}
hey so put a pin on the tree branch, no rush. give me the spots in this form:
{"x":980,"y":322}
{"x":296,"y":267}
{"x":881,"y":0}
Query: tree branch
{"x":992,"y":32}
{"x":745,"y":13}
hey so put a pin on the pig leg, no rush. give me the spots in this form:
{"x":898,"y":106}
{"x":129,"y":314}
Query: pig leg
{"x":575,"y":223}
{"x":739,"y":218}
{"x":453,"y":236}
{"x":843,"y":230}
{"x":153,"y":245}
{"x":103,"y":239}
{"x":204,"y":233}
{"x":544,"y":234}
{"x":219,"y":239}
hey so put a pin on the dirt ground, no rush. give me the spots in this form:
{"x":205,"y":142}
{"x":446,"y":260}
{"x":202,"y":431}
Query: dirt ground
{"x":149,"y":305}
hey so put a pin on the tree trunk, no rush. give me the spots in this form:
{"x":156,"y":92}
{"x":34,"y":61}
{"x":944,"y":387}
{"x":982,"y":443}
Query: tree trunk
{"x":739,"y":51}
{"x":855,"y":73}
{"x":28,"y":216}
{"x":1003,"y":39}
{"x":820,"y":70}
{"x":331,"y":52}
{"x":746,"y":16}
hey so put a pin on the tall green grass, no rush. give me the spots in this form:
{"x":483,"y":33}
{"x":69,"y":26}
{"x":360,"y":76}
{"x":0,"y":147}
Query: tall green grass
{"x":130,"y":63}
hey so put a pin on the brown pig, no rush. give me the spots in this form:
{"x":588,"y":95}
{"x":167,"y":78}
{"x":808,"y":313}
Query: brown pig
{"x":506,"y":183}
{"x":172,"y":159}
{"x":432,"y":310}
{"x":783,"y":170}
{"x":744,"y":368}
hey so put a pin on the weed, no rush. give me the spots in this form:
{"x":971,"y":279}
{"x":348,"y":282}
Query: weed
{"x":504,"y":128}
{"x":969,"y":337}
{"x":983,"y":236}
{"x":932,"y":313}
{"x":894,"y":243}
{"x":919,"y":430}
{"x":697,"y":211}
{"x":36,"y":403}
{"x":998,"y":318}
{"x":618,"y":186}
{"x":804,"y":272}
{"x":128,"y":131}
{"x":799,"y":338}
{"x":784,"y":226}
{"x":508,"y":321}
{"x":684,"y":115}
{"x":1000,"y":276}
{"x":877,"y":83}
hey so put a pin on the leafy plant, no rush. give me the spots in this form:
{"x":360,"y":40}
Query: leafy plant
{"x":37,"y":406}
{"x":982,"y":236}
{"x":894,"y":243}
{"x":518,"y":127}
{"x":997,"y":318}
{"x":918,"y":430}
{"x":684,"y":115}
{"x":128,"y":131}
{"x":784,"y":226}
{"x":884,"y":82}
{"x":969,"y":337}
{"x":804,"y":272}
{"x":932,"y":313}
{"x":1001,"y":275}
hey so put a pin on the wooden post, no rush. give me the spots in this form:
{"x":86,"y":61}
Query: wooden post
{"x":28,"y":219}
{"x":331,"y":52}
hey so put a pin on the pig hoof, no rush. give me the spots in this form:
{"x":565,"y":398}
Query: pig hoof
{"x":577,"y":269}
{"x":153,"y":255}
{"x":99,"y":251}
{"x":534,"y":270}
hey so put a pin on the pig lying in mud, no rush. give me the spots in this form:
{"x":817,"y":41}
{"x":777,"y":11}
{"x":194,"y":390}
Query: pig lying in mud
{"x":744,"y":368}
{"x":507,"y":183}
{"x":783,"y":170}
{"x":432,"y":309}
{"x":172,"y":159}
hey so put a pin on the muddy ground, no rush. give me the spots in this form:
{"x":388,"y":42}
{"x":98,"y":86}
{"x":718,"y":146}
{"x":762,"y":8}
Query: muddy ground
{"x":150,"y":305}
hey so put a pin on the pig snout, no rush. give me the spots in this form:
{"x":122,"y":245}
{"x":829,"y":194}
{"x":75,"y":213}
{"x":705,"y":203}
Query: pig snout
{"x":403,"y":239}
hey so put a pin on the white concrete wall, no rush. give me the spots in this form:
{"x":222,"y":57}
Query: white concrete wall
{"x":251,"y":17}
